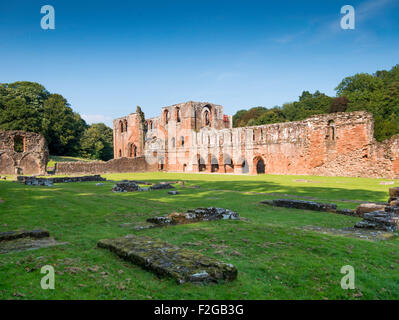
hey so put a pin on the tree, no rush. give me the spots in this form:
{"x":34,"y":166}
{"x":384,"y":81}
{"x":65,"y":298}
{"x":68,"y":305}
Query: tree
{"x":62,"y":128}
{"x":274,"y":115}
{"x":96,"y":142}
{"x":21,"y":106}
{"x":339,"y":104}
{"x":30,"y":107}
{"x":237,"y":118}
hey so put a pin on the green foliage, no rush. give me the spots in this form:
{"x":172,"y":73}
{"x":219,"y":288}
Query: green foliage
{"x":61,"y":126}
{"x":237,"y":118}
{"x":339,"y":104}
{"x":274,"y":115}
{"x":30,"y":107}
{"x":309,"y":104}
{"x":21,"y":106}
{"x":376,"y":93}
{"x":241,"y":118}
{"x":96,"y":142}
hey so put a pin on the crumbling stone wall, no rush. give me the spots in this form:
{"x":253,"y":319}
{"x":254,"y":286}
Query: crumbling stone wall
{"x":22,"y":153}
{"x":198,"y":137}
{"x":120,"y":165}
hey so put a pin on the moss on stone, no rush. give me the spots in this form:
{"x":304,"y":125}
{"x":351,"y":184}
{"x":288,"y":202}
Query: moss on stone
{"x":166,"y":259}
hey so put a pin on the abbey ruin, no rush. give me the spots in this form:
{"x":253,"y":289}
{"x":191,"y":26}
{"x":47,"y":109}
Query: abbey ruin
{"x":22,"y":153}
{"x":198,"y":137}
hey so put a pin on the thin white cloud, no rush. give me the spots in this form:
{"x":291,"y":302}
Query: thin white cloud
{"x":96,"y":118}
{"x":364,"y":11}
{"x":371,"y":7}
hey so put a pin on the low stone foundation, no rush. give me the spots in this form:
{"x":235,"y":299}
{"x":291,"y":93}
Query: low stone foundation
{"x":302,"y":204}
{"x":21,"y":240}
{"x":29,"y":180}
{"x":166,"y":259}
{"x":161,"y":185}
{"x":197,"y":215}
{"x":120,"y":165}
{"x":12,"y":235}
{"x":379,"y":220}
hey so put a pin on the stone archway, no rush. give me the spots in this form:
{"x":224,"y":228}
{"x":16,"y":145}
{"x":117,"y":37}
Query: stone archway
{"x":245,"y":167}
{"x":260,"y":165}
{"x":132,"y":150}
{"x":214,"y":164}
{"x":201,"y":163}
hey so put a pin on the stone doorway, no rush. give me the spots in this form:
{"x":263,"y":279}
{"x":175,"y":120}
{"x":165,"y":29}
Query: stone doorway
{"x":260,"y":166}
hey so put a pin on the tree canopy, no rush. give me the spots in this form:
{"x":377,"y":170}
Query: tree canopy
{"x":96,"y":142}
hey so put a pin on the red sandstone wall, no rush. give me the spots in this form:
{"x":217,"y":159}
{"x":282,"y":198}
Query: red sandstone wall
{"x":120,"y":165}
{"x":340,"y":144}
{"x":33,"y":159}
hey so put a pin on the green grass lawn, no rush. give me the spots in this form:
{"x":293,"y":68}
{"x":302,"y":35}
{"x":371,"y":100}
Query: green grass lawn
{"x":54,"y":159}
{"x":275,"y":257}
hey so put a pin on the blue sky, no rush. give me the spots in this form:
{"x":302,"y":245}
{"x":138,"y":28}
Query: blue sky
{"x":106,"y":57}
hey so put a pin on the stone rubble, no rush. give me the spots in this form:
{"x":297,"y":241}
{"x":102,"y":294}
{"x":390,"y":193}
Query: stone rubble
{"x":125,"y":187}
{"x":385,"y":217}
{"x":368,"y":207}
{"x":173,"y":192}
{"x":196,"y":215}
{"x":35,"y":181}
{"x":165,"y":259}
{"x":379,"y":220}
{"x":160,"y":186}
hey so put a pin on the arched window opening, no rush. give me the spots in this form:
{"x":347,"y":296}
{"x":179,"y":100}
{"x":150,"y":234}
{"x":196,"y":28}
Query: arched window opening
{"x":150,"y":125}
{"x":132,"y":151}
{"x":125,"y":125}
{"x":120,"y":126}
{"x":182,"y":141}
{"x":178,"y":114}
{"x":201,"y":164}
{"x":228,"y":164}
{"x":166,"y":116}
{"x":206,"y":118}
{"x":253,"y":135}
{"x":19,"y":144}
{"x":214,"y":165}
{"x":120,"y":153}
{"x":331,"y":130}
